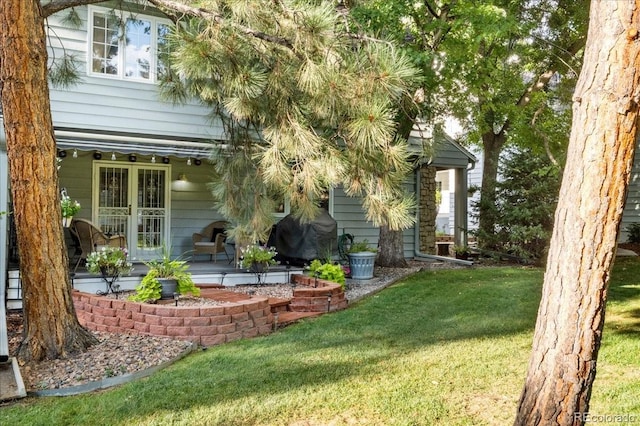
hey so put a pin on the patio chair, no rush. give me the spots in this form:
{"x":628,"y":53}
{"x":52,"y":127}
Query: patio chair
{"x":89,"y":237}
{"x":212,"y":240}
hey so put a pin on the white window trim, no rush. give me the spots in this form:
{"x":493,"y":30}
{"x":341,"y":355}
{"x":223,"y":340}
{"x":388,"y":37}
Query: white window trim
{"x":123,"y":15}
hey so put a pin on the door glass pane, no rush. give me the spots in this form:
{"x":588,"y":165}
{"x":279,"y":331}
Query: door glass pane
{"x":151,"y":209}
{"x":113,"y":204}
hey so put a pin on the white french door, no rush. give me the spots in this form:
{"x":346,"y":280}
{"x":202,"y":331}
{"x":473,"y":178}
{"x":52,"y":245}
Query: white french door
{"x":133,"y":200}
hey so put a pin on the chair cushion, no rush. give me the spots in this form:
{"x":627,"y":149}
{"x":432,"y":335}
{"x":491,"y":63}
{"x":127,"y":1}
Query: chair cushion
{"x":205,"y":244}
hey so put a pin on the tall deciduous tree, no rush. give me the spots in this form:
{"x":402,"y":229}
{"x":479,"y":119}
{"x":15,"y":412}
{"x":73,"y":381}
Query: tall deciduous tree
{"x":568,"y":331}
{"x":491,"y":65}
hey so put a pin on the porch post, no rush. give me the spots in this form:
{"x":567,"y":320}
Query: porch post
{"x":460,"y":217}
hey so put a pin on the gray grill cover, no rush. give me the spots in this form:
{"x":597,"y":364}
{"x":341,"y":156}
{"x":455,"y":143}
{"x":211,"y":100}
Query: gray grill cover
{"x":308,"y":241}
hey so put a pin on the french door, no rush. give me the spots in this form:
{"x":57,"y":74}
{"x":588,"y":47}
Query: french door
{"x":133,"y":200}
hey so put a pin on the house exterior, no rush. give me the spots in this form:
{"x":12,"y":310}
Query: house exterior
{"x":139,"y":165}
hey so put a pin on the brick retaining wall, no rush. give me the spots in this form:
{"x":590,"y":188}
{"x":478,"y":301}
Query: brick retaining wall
{"x":312,"y":295}
{"x":206,"y":325}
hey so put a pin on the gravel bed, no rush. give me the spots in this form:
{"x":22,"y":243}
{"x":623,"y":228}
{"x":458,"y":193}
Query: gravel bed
{"x":118,"y":354}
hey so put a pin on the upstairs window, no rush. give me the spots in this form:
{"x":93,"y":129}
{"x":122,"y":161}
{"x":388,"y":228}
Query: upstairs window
{"x":130,"y":47}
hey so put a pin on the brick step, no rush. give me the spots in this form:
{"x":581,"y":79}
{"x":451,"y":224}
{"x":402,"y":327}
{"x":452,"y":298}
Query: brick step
{"x":287,"y":318}
{"x":279,"y":305}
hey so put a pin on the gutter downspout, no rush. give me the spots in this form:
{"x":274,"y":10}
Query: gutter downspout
{"x":418,"y":255}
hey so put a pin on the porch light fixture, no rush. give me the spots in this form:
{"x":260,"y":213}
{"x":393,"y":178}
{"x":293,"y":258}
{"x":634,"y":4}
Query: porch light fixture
{"x":153,"y":158}
{"x":75,"y":153}
{"x":189,"y":161}
{"x":62,"y":153}
{"x":197,"y":161}
{"x":133,"y":158}
{"x":113,"y":156}
{"x":165,"y":160}
{"x":97,"y":155}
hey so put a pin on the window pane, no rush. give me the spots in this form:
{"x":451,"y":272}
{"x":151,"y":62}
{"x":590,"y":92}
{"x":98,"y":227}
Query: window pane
{"x":104,"y":50}
{"x":138,"y":49}
{"x":162,"y":68}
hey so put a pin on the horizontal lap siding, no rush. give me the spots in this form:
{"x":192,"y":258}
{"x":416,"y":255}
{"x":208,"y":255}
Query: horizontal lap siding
{"x":632,"y":208}
{"x":110,"y":104}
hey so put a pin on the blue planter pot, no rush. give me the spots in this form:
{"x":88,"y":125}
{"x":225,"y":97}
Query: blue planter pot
{"x":169,"y":286}
{"x":361,"y":265}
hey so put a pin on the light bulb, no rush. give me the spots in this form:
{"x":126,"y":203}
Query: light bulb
{"x":113,"y":156}
{"x":75,"y":153}
{"x":189,"y":161}
{"x":153,"y":158}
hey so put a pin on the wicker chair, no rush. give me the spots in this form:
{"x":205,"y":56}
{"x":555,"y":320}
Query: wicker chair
{"x":89,"y":237}
{"x":212,"y":240}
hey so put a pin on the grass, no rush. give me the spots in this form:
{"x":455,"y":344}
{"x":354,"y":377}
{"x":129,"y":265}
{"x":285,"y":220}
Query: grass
{"x":440,"y":348}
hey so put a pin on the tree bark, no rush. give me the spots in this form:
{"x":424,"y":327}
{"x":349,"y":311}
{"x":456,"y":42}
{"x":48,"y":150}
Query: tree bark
{"x":492,"y":145}
{"x":391,"y":252}
{"x":31,"y":152}
{"x":568,"y":331}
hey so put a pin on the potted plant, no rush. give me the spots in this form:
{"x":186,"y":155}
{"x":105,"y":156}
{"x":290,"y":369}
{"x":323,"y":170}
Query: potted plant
{"x":165,"y":277}
{"x":255,"y":258}
{"x":461,"y":252}
{"x":69,"y":209}
{"x":361,"y":260}
{"x":111,"y":263}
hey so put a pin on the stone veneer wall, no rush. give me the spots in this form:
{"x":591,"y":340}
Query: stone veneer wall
{"x":206,"y":325}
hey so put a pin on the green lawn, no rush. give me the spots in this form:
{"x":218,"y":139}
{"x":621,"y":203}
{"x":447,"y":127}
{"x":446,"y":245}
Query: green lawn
{"x":446,"y":347}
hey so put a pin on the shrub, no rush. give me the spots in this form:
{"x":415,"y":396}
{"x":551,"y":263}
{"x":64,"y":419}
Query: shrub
{"x":633,"y":233}
{"x":328,"y":271}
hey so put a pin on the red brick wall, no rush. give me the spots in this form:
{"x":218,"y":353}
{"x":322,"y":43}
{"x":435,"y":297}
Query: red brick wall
{"x":206,"y":326}
{"x":313,"y":295}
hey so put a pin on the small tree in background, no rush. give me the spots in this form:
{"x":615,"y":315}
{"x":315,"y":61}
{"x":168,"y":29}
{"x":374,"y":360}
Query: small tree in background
{"x":527,"y":194}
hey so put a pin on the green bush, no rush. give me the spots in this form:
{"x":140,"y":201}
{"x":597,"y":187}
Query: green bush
{"x":150,"y":289}
{"x":328,"y":271}
{"x":633,"y":233}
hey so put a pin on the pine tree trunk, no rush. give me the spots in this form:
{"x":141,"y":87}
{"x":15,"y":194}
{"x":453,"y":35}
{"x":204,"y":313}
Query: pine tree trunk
{"x":568,"y":332}
{"x":33,"y":176}
{"x":391,"y":249}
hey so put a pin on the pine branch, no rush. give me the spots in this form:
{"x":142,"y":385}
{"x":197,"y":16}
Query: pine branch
{"x":172,"y":7}
{"x":58,"y":5}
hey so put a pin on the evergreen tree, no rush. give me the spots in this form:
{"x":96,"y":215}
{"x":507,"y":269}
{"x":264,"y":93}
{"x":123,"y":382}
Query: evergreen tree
{"x":311,"y":107}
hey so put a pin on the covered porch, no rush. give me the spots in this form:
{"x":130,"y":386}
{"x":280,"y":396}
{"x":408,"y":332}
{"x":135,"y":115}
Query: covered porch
{"x":203,"y":273}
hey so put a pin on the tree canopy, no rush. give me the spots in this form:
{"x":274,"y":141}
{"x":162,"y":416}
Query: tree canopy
{"x":307,"y":105}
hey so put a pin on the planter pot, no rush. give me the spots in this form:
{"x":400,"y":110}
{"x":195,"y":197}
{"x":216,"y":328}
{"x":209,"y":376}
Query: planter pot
{"x":66,"y":221}
{"x":169,"y":286}
{"x":361,"y":265}
{"x":259,"y":267}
